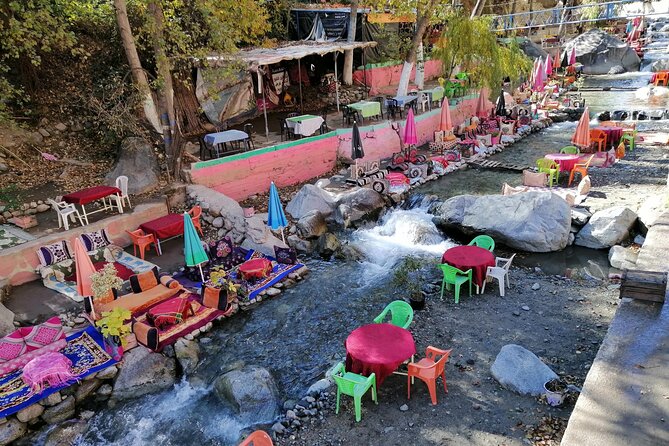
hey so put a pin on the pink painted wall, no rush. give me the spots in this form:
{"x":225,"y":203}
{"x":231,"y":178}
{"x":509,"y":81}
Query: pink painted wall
{"x":18,"y":263}
{"x":380,"y":77}
{"x":311,"y":158}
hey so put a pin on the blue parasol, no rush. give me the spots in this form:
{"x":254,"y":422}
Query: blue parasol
{"x":275,"y":216}
{"x":193,"y":250}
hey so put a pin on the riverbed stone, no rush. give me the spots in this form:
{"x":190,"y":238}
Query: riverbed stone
{"x":86,"y":388}
{"x":534,"y":221}
{"x":320,"y":386}
{"x":143,"y":372}
{"x":29,"y":413}
{"x":328,"y":244}
{"x":66,"y":433}
{"x":521,"y":371}
{"x":580,"y":216}
{"x":138,"y":162}
{"x":252,"y":391}
{"x":60,"y":412}
{"x":358,"y":204}
{"x":622,"y":258}
{"x":6,"y":320}
{"x":599,"y":51}
{"x":188,"y":354}
{"x":310,"y":198}
{"x":108,"y":373}
{"x":606,"y":228}
{"x":12,"y":430}
{"x":312,"y":225}
{"x":300,"y":245}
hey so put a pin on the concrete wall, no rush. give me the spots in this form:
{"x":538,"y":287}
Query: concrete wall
{"x":18,"y":263}
{"x":245,"y":174}
{"x":378,"y":77}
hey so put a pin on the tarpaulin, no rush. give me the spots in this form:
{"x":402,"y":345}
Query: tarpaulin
{"x":225,"y":97}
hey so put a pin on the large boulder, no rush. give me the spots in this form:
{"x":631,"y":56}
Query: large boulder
{"x":520,"y":370}
{"x":143,"y":372}
{"x":310,"y":198}
{"x":252,"y":391}
{"x":358,"y":204}
{"x":531,"y":49}
{"x":660,"y":65}
{"x":66,"y":434}
{"x":312,"y":225}
{"x":188,"y":354}
{"x":328,"y":244}
{"x":138,"y":162}
{"x":532,"y":221}
{"x":622,"y":258}
{"x":606,"y":228}
{"x":599,"y":51}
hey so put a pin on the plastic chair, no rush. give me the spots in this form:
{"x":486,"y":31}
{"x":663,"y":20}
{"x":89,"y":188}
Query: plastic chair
{"x":141,"y":240}
{"x":65,"y":210}
{"x":401,"y":314}
{"x":195,"y":214}
{"x":598,"y":137}
{"x":122,"y":183}
{"x":483,"y":241}
{"x":661,"y":78}
{"x":629,"y":138}
{"x":500,"y":271}
{"x":428,"y":370}
{"x":550,"y":168}
{"x":257,"y":438}
{"x":453,"y":276}
{"x":424,"y":102}
{"x":581,"y":168}
{"x":393,"y":108}
{"x":570,"y":150}
{"x":353,"y":385}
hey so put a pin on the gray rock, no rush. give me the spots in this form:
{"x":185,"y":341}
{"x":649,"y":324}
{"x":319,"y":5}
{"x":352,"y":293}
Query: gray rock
{"x":105,"y":390}
{"x":650,"y":210}
{"x":606,"y":228}
{"x":217,"y":222}
{"x":86,"y":388}
{"x":60,"y":412}
{"x":44,"y":132}
{"x":300,"y":245}
{"x":404,"y":407}
{"x":320,"y":386}
{"x":310,"y":198}
{"x":531,"y":221}
{"x":272,"y":291}
{"x":580,"y":216}
{"x":599,"y":52}
{"x":520,"y":370}
{"x":12,"y":430}
{"x":6,"y":321}
{"x":278,"y":428}
{"x":3,"y":167}
{"x":138,"y":162}
{"x":616,"y":69}
{"x":259,"y":237}
{"x":143,"y":372}
{"x":312,"y":225}
{"x":639,"y":239}
{"x":108,"y":373}
{"x":60,"y":127}
{"x":536,"y":286}
{"x":531,"y":49}
{"x":328,"y":244}
{"x":252,"y":391}
{"x":357,"y":205}
{"x":52,"y":399}
{"x":30,"y":413}
{"x":77,"y":127}
{"x":66,"y":434}
{"x":622,"y":258}
{"x":188,"y":355}
{"x":36,"y":138}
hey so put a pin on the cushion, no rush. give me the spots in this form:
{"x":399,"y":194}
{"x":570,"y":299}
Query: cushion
{"x":43,"y":334}
{"x":285,"y":255}
{"x":64,"y":271}
{"x":169,"y":282}
{"x":54,"y":253}
{"x":95,"y":240}
{"x":144,"y":281}
{"x":485,"y":139}
{"x":216,"y":297}
{"x":507,"y":129}
{"x":534,"y":178}
{"x":12,"y":346}
{"x":169,"y":313}
{"x":222,"y":248}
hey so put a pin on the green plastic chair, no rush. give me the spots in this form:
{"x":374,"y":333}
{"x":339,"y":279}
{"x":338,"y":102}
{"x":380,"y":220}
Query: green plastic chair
{"x":550,"y":168}
{"x":462,"y":76}
{"x":354,"y":385}
{"x":570,"y":150}
{"x":629,"y":138}
{"x":401,"y":314}
{"x":453,"y":276}
{"x":483,"y":241}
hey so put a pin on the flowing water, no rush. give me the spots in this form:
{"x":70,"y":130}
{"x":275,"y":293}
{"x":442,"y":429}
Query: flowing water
{"x":282,"y":334}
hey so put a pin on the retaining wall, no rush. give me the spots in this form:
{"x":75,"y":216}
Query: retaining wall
{"x":378,"y":77}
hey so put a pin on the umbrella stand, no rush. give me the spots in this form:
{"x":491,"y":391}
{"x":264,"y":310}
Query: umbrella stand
{"x":199,"y":265}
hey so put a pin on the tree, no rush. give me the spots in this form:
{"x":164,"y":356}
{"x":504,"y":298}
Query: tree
{"x":347,"y":76}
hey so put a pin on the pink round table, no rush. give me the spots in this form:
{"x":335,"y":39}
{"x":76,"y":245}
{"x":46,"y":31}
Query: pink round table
{"x":566,"y":161}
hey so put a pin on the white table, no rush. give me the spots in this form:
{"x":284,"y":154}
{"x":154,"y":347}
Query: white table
{"x":229,"y":136}
{"x":305,"y":125}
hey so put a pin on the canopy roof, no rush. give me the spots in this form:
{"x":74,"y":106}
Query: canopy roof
{"x":256,"y":57}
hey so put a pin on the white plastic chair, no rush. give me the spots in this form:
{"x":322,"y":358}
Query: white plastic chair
{"x":122,"y":183}
{"x":65,"y":210}
{"x":500,"y":271}
{"x":424,"y":102}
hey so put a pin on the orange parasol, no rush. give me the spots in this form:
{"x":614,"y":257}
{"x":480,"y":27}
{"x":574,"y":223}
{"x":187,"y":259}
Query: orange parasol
{"x":445,"y":123}
{"x":481,"y":106}
{"x":581,"y":137}
{"x":84,"y":268}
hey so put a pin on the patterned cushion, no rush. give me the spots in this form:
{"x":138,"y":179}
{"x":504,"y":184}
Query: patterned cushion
{"x":144,"y":281}
{"x":95,"y":240}
{"x":64,"y":270}
{"x":507,"y":129}
{"x":221,"y":249}
{"x":285,"y":255}
{"x":50,"y":254}
{"x":43,"y":334}
{"x":12,"y":346}
{"x":169,"y":313}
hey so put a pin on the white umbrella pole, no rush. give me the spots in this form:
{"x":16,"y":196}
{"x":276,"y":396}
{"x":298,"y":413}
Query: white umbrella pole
{"x":201,"y":273}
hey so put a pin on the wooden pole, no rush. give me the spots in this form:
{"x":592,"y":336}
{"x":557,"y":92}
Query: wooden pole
{"x":336,"y":80}
{"x":264,"y":103}
{"x":299,"y":76}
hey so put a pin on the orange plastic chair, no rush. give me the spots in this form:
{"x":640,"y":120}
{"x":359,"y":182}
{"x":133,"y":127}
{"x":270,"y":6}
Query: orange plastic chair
{"x":580,"y":168}
{"x":257,"y":438}
{"x":598,"y":137}
{"x":661,"y":78}
{"x":195,"y":214}
{"x":142,"y":240}
{"x":428,"y":370}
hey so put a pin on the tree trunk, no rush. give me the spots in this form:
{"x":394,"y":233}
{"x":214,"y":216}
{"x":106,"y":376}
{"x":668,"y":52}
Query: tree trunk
{"x":165,"y":89}
{"x":421,"y":26}
{"x":420,"y":67}
{"x":138,"y":74}
{"x":347,"y":75}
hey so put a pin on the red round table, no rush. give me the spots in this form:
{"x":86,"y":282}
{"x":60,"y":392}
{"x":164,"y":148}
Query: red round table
{"x":470,"y":257}
{"x":378,"y":349}
{"x":613,"y":135}
{"x":566,"y":161}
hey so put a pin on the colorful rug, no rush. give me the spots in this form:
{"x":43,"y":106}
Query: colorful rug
{"x":86,"y":351}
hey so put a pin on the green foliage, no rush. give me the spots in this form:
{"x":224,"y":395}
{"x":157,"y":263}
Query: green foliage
{"x":104,"y":280}
{"x":10,"y":197}
{"x":407,"y":275}
{"x":394,"y":45}
{"x":113,"y":323}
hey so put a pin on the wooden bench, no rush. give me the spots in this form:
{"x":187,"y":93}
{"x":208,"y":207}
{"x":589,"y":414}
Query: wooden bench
{"x":644,"y":285}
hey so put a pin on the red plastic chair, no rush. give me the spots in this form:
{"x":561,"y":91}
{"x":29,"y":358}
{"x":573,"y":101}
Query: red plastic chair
{"x":195,"y":214}
{"x":661,"y":78}
{"x":142,"y":240}
{"x":257,"y":438}
{"x":598,"y":137}
{"x":428,"y":370}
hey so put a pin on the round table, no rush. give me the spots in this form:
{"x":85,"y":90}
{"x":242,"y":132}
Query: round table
{"x":566,"y":161}
{"x":470,"y":257}
{"x":378,"y":349}
{"x":613,"y":135}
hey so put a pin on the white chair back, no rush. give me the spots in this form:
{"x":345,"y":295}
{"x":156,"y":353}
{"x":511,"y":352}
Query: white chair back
{"x":506,"y":262}
{"x":57,"y":205}
{"x":122,"y":183}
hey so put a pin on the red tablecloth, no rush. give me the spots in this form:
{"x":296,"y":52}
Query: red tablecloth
{"x":378,"y":349}
{"x":566,"y":161}
{"x":255,"y":269}
{"x":613,"y":135}
{"x":470,"y":257}
{"x":90,"y":194}
{"x":168,"y":226}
